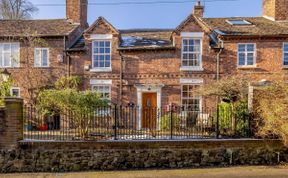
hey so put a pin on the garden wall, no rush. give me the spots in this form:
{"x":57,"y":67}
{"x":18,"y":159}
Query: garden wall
{"x":88,"y":156}
{"x":25,"y":156}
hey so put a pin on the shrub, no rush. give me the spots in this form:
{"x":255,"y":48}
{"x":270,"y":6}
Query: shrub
{"x":165,"y":121}
{"x":272,"y":104}
{"x":240,"y":113}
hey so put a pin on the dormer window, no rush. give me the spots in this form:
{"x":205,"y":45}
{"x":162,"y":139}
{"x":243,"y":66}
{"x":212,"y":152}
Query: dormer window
{"x":191,"y":59}
{"x":101,"y":53}
{"x":238,"y":22}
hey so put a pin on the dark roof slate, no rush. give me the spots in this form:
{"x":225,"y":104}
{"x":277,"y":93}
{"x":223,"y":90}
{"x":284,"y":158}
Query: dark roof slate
{"x":53,"y":27}
{"x":145,"y":39}
{"x":260,"y":26}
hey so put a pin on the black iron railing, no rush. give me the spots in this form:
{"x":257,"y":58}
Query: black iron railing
{"x":131,"y":123}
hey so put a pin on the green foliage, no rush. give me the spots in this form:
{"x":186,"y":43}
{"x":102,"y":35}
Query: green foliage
{"x":165,"y":121}
{"x":272,"y":104}
{"x":66,"y":100}
{"x":71,"y":82}
{"x":226,"y":115}
{"x":5,"y":87}
{"x":231,"y":89}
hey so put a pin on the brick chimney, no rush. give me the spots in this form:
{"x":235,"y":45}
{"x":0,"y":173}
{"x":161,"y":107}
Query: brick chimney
{"x":76,"y":11}
{"x":276,"y":9}
{"x":198,"y":10}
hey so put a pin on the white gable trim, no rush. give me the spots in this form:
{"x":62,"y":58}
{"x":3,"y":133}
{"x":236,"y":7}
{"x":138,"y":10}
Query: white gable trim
{"x":192,"y":34}
{"x":100,"y":82}
{"x":101,"y":36}
{"x":191,"y":81}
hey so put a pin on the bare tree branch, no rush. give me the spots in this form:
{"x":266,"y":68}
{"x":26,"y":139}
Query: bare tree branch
{"x":17,"y":9}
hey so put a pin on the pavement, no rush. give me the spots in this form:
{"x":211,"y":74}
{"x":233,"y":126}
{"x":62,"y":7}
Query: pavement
{"x":234,"y":172}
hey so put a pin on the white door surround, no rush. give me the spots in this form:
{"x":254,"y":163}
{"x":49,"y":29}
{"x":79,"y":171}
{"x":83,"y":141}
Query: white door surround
{"x":147,"y":88}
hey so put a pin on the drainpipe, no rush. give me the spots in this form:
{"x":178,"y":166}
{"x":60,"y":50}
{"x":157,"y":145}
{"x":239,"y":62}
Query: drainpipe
{"x":121,"y":78}
{"x":66,"y":56}
{"x":221,"y":47}
{"x":218,"y":60}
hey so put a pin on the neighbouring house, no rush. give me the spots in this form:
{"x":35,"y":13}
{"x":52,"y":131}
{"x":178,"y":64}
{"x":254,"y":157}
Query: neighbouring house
{"x":151,"y":67}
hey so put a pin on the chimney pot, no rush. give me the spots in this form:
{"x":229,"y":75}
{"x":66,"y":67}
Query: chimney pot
{"x":198,"y":10}
{"x":76,"y":11}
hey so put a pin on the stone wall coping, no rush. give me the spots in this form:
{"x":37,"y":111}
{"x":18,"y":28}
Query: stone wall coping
{"x":149,"y":141}
{"x":157,"y":144}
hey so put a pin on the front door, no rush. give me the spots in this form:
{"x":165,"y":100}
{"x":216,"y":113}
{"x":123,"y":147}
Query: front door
{"x":149,"y":110}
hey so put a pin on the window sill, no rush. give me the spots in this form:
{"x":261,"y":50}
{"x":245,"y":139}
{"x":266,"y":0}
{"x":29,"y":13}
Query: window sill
{"x":247,"y":67}
{"x":101,"y":70}
{"x":285,"y":67}
{"x":10,"y":67}
{"x":39,"y":67}
{"x":191,"y":69}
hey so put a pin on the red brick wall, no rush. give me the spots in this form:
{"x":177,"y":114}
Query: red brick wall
{"x":269,"y":59}
{"x":28,"y":77}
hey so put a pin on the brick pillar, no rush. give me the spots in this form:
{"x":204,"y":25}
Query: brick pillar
{"x":12,"y":123}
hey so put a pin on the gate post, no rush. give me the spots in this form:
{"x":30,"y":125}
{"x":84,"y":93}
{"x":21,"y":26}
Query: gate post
{"x":12,"y":123}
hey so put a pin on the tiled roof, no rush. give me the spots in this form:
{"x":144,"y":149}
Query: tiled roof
{"x":55,"y":27}
{"x":145,"y":39}
{"x":260,"y":26}
{"x":78,"y":45}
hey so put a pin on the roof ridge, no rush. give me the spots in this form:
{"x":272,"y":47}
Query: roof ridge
{"x":146,"y":29}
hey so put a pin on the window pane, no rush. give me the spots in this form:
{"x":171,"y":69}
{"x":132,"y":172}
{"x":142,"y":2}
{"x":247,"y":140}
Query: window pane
{"x":6,"y":47}
{"x":107,"y":64}
{"x":286,"y":47}
{"x":101,"y":64}
{"x":101,"y":43}
{"x":37,"y":58}
{"x":250,"y":47}
{"x":185,"y":56}
{"x":250,"y":59}
{"x":185,"y":63}
{"x":101,"y":50}
{"x":15,"y":56}
{"x":185,"y":48}
{"x":107,"y":44}
{"x":286,"y":59}
{"x":241,"y":47}
{"x":185,"y":42}
{"x":96,"y":44}
{"x":7,"y":61}
{"x":241,"y":59}
{"x":1,"y":54}
{"x":107,"y":50}
{"x":45,"y":57}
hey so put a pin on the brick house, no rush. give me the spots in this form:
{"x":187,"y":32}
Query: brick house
{"x":158,"y":67}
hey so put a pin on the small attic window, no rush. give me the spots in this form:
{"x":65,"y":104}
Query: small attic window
{"x":238,"y":22}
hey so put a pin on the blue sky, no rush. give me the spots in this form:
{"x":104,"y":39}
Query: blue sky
{"x":152,"y":16}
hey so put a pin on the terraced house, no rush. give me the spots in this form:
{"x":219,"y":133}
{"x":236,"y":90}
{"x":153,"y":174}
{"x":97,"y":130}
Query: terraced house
{"x":150,"y":67}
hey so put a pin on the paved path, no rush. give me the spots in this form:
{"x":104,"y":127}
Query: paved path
{"x":236,"y":172}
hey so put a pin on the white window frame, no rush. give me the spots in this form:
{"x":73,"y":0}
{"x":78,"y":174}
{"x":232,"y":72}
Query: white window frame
{"x":15,"y":88}
{"x":192,"y":68}
{"x":12,"y":64}
{"x":195,"y":97}
{"x":103,"y":85}
{"x":283,"y":57}
{"x":245,"y":52}
{"x":99,"y":38}
{"x":41,"y":60}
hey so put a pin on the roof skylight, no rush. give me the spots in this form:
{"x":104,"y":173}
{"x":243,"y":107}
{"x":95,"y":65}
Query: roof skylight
{"x":238,"y":22}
